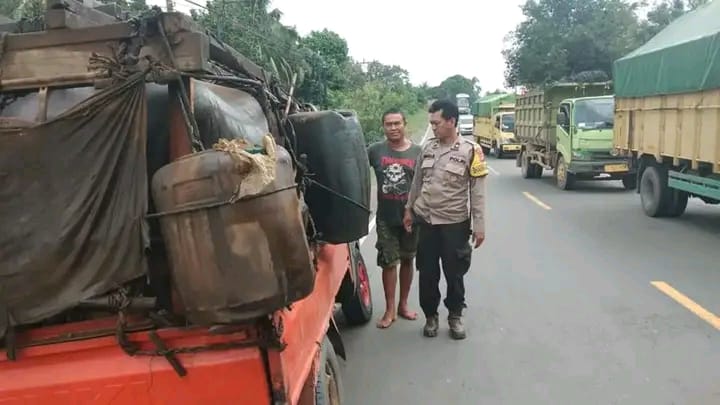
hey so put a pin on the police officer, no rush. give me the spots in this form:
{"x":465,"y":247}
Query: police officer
{"x":450,"y":171}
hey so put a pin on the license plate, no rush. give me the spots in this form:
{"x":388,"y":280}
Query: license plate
{"x":621,"y":167}
{"x":511,"y":147}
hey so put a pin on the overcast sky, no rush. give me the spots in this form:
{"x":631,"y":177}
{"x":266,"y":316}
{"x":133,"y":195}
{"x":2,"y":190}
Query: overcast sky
{"x":431,"y":41}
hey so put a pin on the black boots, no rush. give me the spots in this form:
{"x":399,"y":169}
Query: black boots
{"x":455,"y":323}
{"x":457,"y":329}
{"x":431,"y":326}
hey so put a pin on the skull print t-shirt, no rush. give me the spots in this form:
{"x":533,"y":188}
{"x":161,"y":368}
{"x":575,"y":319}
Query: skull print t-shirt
{"x":394,"y":171}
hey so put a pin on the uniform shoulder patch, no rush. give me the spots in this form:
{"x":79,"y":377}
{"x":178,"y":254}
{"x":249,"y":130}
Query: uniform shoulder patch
{"x":478,"y":166}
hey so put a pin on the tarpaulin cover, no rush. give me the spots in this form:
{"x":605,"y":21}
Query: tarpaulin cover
{"x":483,"y":107}
{"x":682,"y":58}
{"x":73,"y":195}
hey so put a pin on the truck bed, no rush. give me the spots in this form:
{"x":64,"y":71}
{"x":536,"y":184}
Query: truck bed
{"x":80,"y":369}
{"x":97,"y":371}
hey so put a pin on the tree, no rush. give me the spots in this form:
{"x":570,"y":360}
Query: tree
{"x":327,"y":55}
{"x":257,"y":33}
{"x":665,"y":12}
{"x":456,"y":84}
{"x":326,"y":76}
{"x":580,"y":39}
{"x":22,"y":9}
{"x":560,"y":38}
{"x":496,"y":91}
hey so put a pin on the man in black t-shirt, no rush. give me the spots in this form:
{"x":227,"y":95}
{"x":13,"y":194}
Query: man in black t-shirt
{"x":393,"y":161}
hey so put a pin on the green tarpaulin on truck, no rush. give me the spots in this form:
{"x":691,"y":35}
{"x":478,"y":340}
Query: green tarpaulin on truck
{"x":682,"y":58}
{"x":484,"y":106}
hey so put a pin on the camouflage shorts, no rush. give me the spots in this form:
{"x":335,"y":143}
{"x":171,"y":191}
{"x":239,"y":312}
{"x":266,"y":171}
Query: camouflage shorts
{"x":394,"y":244}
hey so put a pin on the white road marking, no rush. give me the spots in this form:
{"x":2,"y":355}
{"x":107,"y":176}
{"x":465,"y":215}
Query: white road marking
{"x":536,"y":200}
{"x":493,"y":171}
{"x":372,"y":224}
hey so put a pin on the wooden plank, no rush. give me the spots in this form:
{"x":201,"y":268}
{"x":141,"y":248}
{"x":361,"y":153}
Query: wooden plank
{"x":68,"y":37}
{"x":233,"y":59}
{"x":26,"y":68}
{"x":73,"y":14}
{"x":64,"y":53}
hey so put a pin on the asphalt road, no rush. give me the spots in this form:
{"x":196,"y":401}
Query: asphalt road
{"x":562,"y":308}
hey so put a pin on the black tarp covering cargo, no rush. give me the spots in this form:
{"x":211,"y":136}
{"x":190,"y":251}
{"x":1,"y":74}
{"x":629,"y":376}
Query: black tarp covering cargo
{"x":73,"y":195}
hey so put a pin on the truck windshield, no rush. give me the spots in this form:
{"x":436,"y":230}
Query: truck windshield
{"x":466,"y":120}
{"x":595,"y":114}
{"x":508,"y":122}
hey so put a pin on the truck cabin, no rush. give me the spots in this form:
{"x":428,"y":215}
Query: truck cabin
{"x":505,"y":122}
{"x":592,"y":113}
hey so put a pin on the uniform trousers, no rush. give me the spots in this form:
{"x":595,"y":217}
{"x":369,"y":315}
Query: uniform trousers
{"x":449,"y":244}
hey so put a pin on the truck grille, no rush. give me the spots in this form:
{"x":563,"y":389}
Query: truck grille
{"x":601,"y":156}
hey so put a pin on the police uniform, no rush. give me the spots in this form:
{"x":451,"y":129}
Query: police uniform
{"x":446,"y":177}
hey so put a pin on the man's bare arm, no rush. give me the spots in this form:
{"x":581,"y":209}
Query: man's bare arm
{"x":416,"y":183}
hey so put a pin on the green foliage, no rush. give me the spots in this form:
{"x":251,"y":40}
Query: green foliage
{"x":326,"y":76}
{"x":371,"y":100}
{"x":22,"y":9}
{"x":453,"y":85}
{"x":565,"y":39}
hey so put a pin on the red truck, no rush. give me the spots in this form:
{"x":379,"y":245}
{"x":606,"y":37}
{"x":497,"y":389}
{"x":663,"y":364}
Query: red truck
{"x":133,"y":258}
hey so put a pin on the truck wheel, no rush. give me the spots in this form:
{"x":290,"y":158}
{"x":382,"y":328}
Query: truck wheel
{"x":679,"y":203}
{"x":357,"y":302}
{"x":529,"y":170}
{"x":654,"y":193}
{"x":630,"y":182}
{"x":537,"y":170}
{"x":564,"y":179}
{"x":328,"y":385}
{"x":526,"y":169}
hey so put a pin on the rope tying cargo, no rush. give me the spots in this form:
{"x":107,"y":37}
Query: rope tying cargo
{"x":268,"y":339}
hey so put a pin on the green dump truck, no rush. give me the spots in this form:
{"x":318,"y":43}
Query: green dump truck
{"x":568,"y":128}
{"x":667,"y":116}
{"x":494,"y":124}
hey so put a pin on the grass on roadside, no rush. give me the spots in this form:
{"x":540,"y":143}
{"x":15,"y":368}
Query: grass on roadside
{"x":417,"y":124}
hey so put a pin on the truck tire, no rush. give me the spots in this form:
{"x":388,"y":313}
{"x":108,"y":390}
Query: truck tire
{"x":537,"y":170}
{"x":679,"y":201}
{"x":328,"y":385}
{"x":564,"y":179}
{"x":630,"y":182}
{"x":655,"y":195}
{"x":357,"y":301}
{"x":527,"y":169}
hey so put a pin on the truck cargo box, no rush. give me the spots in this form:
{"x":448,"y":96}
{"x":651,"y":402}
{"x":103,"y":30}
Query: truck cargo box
{"x":489,"y":105}
{"x":668,"y":93}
